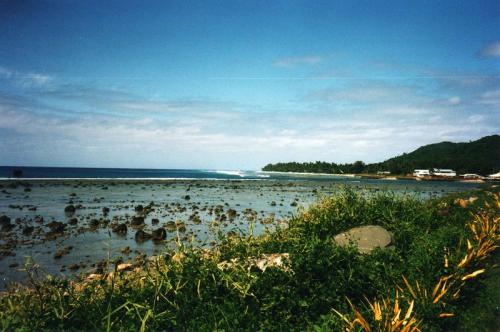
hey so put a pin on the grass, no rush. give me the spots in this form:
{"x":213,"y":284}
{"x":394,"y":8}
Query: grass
{"x":441,"y":276}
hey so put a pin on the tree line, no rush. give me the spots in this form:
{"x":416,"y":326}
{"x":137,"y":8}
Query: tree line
{"x":480,"y":157}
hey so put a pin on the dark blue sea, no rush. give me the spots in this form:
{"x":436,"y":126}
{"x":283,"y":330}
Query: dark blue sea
{"x":137,"y":173}
{"x":123,"y":173}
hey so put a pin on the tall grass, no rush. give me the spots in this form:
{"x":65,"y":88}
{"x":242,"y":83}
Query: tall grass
{"x":295,"y":278}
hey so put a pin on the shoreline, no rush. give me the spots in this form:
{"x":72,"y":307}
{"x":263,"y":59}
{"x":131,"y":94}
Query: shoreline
{"x":304,"y":173}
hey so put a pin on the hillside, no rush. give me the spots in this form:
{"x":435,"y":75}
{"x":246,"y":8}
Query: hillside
{"x":481,"y":157}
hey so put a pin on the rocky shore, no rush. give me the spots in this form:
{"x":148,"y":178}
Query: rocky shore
{"x":75,"y":226}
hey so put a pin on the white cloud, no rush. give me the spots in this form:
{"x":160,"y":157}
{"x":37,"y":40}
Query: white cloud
{"x":454,"y":100}
{"x":491,"y":97}
{"x":25,"y":79}
{"x":145,"y":142}
{"x":120,"y":129}
{"x":293,"y":62}
{"x":491,"y":50}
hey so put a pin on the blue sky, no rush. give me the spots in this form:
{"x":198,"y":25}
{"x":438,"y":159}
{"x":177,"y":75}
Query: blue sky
{"x":238,"y":84}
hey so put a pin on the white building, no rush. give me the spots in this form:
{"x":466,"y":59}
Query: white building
{"x":444,"y":172}
{"x":472,"y":176}
{"x":420,"y":173}
{"x":495,"y":176}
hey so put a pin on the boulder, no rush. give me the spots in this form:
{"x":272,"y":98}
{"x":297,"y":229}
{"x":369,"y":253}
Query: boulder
{"x":93,"y":223}
{"x":56,"y":227}
{"x":5,"y":224}
{"x":28,"y":230}
{"x":120,"y":229}
{"x":70,"y":209}
{"x":141,"y":236}
{"x":159,"y":234}
{"x":137,"y":221}
{"x":366,"y":238}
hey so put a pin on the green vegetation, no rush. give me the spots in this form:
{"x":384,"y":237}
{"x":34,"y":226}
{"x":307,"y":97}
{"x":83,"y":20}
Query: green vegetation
{"x":480,"y":157}
{"x":310,"y":288}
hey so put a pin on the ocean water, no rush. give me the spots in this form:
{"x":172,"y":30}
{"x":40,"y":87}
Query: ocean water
{"x":126,"y":173}
{"x":271,"y":198}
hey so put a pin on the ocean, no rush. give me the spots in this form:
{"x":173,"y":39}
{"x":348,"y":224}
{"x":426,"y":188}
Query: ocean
{"x":137,"y":173}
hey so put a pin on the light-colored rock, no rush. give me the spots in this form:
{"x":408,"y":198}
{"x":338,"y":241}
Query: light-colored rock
{"x":94,"y":276}
{"x":472,"y":199}
{"x":366,"y":238}
{"x":124,"y":266}
{"x":262,"y":263}
{"x":271,"y":260}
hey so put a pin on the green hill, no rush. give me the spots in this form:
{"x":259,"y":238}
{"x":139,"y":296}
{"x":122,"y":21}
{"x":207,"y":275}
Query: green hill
{"x":481,"y":157}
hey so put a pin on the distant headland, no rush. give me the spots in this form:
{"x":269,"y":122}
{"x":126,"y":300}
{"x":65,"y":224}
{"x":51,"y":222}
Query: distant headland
{"x":480,"y":157}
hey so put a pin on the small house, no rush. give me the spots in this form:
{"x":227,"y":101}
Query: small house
{"x":444,"y":172}
{"x":420,"y":173}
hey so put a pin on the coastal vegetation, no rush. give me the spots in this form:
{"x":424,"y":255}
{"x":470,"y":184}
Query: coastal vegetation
{"x":480,"y":157}
{"x":439,"y":275}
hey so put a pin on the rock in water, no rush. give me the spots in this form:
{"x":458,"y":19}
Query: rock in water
{"x":70,"y":209}
{"x":5,"y":224}
{"x":366,"y":238}
{"x":159,"y":234}
{"x":120,"y":229}
{"x":137,"y":221}
{"x":142,"y":236}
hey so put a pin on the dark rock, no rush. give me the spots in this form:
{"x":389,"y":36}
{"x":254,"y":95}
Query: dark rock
{"x":139,"y":208}
{"x":28,"y":230}
{"x":74,"y":267}
{"x":73,"y":221}
{"x":159,"y":234}
{"x":94,"y":223}
{"x":155,"y":221}
{"x":56,"y":227}
{"x":137,"y":221}
{"x":231,"y":213}
{"x":120,"y":229}
{"x":5,"y":224}
{"x":141,"y":236}
{"x":38,"y":219}
{"x":70,"y":209}
{"x":105,"y":210}
{"x":187,"y":197}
